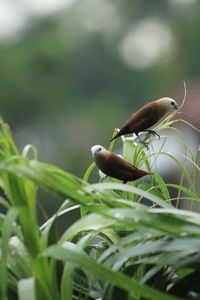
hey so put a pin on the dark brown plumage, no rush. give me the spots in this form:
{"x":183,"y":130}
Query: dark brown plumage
{"x":147,"y":116}
{"x":114,"y":166}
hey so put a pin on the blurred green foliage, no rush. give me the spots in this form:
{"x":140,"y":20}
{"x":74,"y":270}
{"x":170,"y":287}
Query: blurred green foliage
{"x":64,"y":85}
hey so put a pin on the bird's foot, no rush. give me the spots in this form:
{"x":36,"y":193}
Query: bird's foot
{"x":145,"y":144}
{"x":153,"y":132}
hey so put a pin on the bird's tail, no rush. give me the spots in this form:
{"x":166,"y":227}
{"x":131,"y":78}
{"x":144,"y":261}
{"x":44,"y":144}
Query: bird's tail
{"x":121,"y":132}
{"x":115,"y":136}
{"x":142,"y":173}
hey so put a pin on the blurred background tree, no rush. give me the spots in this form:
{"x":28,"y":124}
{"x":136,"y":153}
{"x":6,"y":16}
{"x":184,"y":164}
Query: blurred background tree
{"x":71,"y":71}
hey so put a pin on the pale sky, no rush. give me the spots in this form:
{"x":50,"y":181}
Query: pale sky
{"x":141,"y":46}
{"x":15,"y":14}
{"x":147,"y":42}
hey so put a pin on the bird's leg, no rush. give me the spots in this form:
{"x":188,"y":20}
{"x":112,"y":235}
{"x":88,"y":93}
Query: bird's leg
{"x":143,"y":142}
{"x":153,"y":132}
{"x":124,"y":181}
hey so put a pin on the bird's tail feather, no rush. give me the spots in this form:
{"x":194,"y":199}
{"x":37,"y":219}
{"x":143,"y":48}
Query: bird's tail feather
{"x":142,"y":173}
{"x":122,"y":131}
{"x":115,"y":136}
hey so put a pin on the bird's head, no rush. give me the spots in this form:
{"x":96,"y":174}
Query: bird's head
{"x":97,"y":150}
{"x":169,"y":103}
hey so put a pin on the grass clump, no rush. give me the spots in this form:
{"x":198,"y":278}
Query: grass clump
{"x":119,"y":248}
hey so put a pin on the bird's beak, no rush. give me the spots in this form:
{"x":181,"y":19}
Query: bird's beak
{"x":92,"y":150}
{"x":176,"y":106}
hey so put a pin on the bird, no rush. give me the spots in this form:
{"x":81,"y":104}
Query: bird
{"x":114,"y":166}
{"x":146,"y":117}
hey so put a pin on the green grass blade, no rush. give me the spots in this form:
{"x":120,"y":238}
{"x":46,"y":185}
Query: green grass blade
{"x":91,"y":222}
{"x":6,"y":233}
{"x":131,"y":189}
{"x":88,"y":172}
{"x":66,"y":282}
{"x":70,"y":252}
{"x":26,"y":289}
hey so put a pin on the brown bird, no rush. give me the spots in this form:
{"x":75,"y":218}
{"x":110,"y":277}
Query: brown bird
{"x":114,"y":166}
{"x":146,"y":117}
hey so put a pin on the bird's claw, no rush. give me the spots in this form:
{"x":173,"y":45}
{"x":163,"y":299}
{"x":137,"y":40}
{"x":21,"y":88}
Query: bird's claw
{"x":153,"y":132}
{"x":144,"y":144}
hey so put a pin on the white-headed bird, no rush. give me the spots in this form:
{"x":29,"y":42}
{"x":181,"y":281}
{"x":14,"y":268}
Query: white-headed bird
{"x":114,"y":166}
{"x":146,"y":117}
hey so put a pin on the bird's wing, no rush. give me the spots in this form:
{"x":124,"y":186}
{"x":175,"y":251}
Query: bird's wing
{"x":116,"y":167}
{"x":117,"y":162}
{"x":143,"y":118}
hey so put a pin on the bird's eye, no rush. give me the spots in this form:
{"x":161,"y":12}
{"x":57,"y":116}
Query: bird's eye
{"x":99,"y":149}
{"x":172,"y":103}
